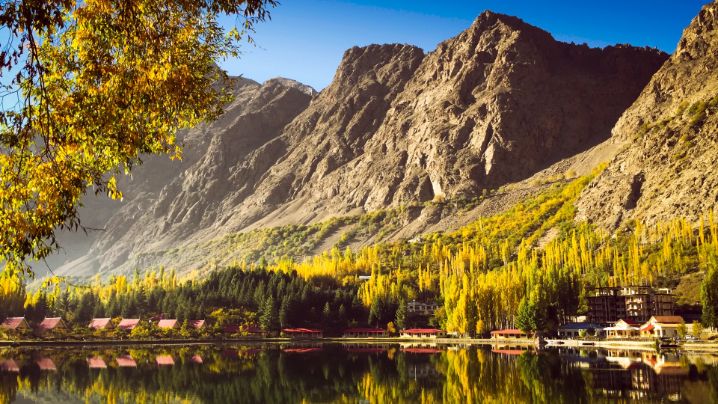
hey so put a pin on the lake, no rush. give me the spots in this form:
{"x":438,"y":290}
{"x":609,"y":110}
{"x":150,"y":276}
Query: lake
{"x":361,"y":373}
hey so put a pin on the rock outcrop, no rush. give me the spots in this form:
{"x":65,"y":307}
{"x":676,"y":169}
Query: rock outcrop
{"x":494,"y":105}
{"x":670,"y":140}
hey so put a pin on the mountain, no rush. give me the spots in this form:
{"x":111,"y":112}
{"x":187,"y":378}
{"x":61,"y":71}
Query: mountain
{"x":492,"y":107}
{"x":669,"y":140}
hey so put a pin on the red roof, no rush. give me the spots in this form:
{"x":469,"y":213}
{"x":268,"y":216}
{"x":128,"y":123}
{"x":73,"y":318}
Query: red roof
{"x":196,"y":324}
{"x":128,"y":323}
{"x":96,"y":362}
{"x":167,"y":323}
{"x":100,"y":323}
{"x":649,"y":327}
{"x":508,"y":331}
{"x":126,"y":361}
{"x":46,"y":364}
{"x":300,"y":331}
{"x":9,"y":365}
{"x":364,"y":331}
{"x":422,"y":331}
{"x":196,"y":359}
{"x":165,"y":360}
{"x":50,"y":323}
{"x":13,"y":323}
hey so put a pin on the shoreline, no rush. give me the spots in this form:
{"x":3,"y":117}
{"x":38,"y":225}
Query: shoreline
{"x":708,"y":347}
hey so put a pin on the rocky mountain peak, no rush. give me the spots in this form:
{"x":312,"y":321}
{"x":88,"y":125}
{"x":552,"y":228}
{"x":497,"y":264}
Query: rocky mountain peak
{"x":670,"y":140}
{"x":699,"y":37}
{"x":493,"y":105}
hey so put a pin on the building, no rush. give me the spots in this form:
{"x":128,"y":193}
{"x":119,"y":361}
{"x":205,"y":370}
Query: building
{"x":168,"y":324}
{"x":45,"y":363}
{"x":100,"y":323}
{"x":509,"y":333}
{"x":126,"y":361}
{"x":301,"y":333}
{"x":9,"y":365}
{"x":96,"y":362}
{"x":165,"y":360}
{"x":15,"y":324}
{"x":128,"y":324}
{"x":574,"y":330}
{"x":662,"y":327}
{"x":633,"y":303}
{"x":197,"y":324}
{"x":622,"y":329}
{"x":364,"y":333}
{"x":423,"y":333}
{"x":420,"y":308}
{"x":49,"y":325}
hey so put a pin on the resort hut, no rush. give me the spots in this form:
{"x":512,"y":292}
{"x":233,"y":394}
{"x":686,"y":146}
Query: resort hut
{"x":622,"y":329}
{"x":9,"y":365}
{"x":168,"y":324}
{"x":46,"y":363}
{"x":662,"y":327}
{"x":364,"y":333}
{"x":197,"y":324}
{"x":128,"y":324}
{"x":126,"y":361}
{"x":100,"y":323}
{"x":197,"y":359}
{"x":301,"y":333}
{"x":509,"y":333}
{"x":165,"y":360}
{"x":574,"y":330}
{"x":423,"y":333}
{"x":96,"y":362}
{"x":15,"y":324}
{"x":50,"y":325}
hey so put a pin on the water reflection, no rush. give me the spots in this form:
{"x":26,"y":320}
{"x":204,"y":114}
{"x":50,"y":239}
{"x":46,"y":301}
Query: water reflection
{"x":412,"y":373}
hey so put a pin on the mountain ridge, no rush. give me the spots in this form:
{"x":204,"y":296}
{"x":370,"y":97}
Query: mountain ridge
{"x":395,"y":127}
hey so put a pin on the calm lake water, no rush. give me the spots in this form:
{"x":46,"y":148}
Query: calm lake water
{"x":351,"y":374}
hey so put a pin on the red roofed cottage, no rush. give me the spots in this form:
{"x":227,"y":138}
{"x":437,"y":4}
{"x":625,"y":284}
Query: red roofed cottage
{"x":423,"y":333}
{"x":128,"y":324}
{"x":100,"y":323}
{"x":15,"y":324}
{"x":168,"y":324}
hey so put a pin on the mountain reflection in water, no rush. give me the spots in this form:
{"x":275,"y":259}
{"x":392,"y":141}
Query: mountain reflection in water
{"x":396,"y":373}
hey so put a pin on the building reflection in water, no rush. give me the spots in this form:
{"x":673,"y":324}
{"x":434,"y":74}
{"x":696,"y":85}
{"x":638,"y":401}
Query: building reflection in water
{"x":634,"y":375}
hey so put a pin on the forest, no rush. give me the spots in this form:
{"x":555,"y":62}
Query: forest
{"x":500,"y":271}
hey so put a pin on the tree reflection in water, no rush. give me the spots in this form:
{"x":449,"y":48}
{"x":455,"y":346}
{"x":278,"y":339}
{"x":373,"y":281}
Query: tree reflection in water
{"x":336,"y":373}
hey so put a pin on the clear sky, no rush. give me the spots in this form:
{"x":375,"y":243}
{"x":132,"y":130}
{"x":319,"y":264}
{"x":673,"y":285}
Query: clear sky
{"x":305,"y":39}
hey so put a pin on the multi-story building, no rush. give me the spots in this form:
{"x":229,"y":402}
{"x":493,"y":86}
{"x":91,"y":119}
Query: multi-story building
{"x":631,"y":303}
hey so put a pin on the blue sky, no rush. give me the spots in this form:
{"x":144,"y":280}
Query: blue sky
{"x":305,"y":39}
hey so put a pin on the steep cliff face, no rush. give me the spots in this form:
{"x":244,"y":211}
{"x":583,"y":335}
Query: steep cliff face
{"x":669,"y":138}
{"x":170,"y":201}
{"x":494,"y":105}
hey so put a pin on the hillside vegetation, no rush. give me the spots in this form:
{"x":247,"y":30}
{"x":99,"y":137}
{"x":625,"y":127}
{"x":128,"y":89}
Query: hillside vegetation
{"x":530,"y":266}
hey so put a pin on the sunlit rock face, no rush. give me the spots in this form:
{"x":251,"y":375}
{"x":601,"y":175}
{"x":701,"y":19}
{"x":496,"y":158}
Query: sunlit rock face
{"x":667,"y":168}
{"x":494,"y":105}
